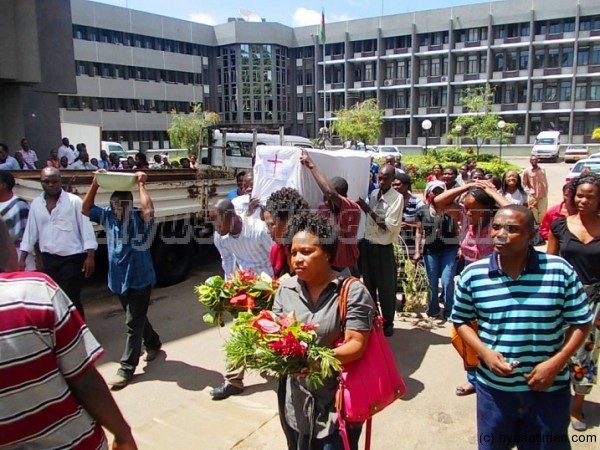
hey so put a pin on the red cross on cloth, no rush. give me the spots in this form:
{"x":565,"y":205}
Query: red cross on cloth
{"x":275,"y":162}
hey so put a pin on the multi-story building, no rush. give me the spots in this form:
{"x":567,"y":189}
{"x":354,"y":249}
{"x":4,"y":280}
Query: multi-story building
{"x":541,"y":58}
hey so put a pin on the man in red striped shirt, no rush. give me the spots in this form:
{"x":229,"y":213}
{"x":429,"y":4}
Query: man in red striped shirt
{"x":51,"y":395}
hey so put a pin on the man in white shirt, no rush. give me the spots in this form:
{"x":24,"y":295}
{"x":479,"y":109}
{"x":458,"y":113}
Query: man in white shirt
{"x":384,"y":219}
{"x":7,"y":162}
{"x":29,"y":155}
{"x":243,"y":242}
{"x":83,"y":161}
{"x":66,"y":150}
{"x":65,"y":236}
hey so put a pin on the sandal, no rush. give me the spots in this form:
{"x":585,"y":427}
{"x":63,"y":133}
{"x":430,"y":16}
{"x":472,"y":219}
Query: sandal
{"x":578,"y":425}
{"x":467,"y":389}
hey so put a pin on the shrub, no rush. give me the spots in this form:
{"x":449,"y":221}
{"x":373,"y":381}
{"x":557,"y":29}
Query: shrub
{"x":419,"y":167}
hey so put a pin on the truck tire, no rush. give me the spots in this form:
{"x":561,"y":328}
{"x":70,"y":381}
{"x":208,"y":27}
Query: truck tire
{"x":172,"y":261}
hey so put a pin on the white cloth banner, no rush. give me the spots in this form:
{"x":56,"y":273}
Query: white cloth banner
{"x":279,"y":166}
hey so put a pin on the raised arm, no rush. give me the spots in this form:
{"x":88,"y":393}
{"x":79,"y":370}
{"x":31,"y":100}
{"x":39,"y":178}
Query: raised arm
{"x":446,"y":201}
{"x":90,"y":198}
{"x":323,"y":183}
{"x":145,"y":200}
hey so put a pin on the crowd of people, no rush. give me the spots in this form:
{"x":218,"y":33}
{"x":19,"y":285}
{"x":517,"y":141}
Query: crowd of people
{"x":69,"y":157}
{"x":534,"y":310}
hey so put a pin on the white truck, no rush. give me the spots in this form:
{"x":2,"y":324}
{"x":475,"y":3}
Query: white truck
{"x":91,"y":136}
{"x":235,"y":149}
{"x":182,"y":199}
{"x":547,"y":146}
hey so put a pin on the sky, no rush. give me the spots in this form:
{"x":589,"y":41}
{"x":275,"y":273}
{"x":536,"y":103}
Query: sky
{"x":288,"y":12}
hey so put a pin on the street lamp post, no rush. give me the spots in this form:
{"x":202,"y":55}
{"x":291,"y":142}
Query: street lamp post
{"x":501,"y":125}
{"x":458,"y":129}
{"x":426,"y":125}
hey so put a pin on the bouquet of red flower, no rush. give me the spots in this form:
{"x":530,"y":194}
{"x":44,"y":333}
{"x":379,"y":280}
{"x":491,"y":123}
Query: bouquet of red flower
{"x":246,"y":291}
{"x":280,"y":345}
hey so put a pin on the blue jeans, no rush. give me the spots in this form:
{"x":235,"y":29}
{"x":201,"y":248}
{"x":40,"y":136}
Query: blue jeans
{"x":441,"y":265}
{"x":530,"y":420}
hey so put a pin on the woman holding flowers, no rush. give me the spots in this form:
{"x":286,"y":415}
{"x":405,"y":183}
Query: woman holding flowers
{"x":312,"y":295}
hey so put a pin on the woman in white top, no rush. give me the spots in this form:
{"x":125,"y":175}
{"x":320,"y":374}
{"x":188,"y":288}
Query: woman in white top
{"x":512,"y":189}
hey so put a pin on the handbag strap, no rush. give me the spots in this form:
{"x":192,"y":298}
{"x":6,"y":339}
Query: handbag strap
{"x":344,"y":432}
{"x":343,"y":299}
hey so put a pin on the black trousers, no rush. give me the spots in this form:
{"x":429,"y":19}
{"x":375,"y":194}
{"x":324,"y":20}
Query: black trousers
{"x":135,"y":302}
{"x":379,"y":276}
{"x":67,"y":272}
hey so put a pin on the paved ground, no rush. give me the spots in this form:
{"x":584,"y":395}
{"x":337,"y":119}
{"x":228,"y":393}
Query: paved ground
{"x":169,"y":407}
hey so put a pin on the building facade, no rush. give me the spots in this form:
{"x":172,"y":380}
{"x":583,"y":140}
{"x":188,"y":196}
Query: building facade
{"x":541,"y":58}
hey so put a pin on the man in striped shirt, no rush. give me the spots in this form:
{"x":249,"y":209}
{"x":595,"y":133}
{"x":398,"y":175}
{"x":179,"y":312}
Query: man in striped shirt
{"x":51,"y":395}
{"x":532,"y":315}
{"x":243,"y":243}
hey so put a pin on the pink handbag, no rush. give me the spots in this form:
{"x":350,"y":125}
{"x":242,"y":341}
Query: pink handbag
{"x":369,"y":384}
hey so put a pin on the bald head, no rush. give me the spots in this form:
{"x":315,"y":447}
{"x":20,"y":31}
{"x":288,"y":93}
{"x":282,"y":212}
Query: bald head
{"x":50,"y":172}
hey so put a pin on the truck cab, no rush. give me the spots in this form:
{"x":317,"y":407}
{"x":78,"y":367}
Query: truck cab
{"x":547,"y":146}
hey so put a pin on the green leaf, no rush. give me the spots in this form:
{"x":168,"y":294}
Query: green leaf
{"x":209,"y":318}
{"x":215,"y":282}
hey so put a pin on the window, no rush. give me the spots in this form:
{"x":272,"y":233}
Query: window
{"x":511,"y":61}
{"x":389,"y":71}
{"x":537,"y":92}
{"x":580,"y":91}
{"x":567,"y":57}
{"x":472,"y":34}
{"x":554,"y":27}
{"x":585,"y":24}
{"x":424,"y":68}
{"x":472,"y":64}
{"x":569,"y":25}
{"x":423,"y":99}
{"x":553,"y":58}
{"x":523,"y":60}
{"x":369,"y":72}
{"x":565,"y":91}
{"x":460,"y":64}
{"x":525,"y":29}
{"x":539,"y":58}
{"x":509,"y":94}
{"x":435,"y":67}
{"x":583,"y":56}
{"x":595,"y":59}
{"x":595,"y":90}
{"x":499,"y":63}
{"x":551,"y":93}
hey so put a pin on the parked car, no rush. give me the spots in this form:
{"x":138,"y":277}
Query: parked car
{"x":383,"y":151}
{"x":593,"y":164}
{"x":547,"y":146}
{"x":575,"y":152}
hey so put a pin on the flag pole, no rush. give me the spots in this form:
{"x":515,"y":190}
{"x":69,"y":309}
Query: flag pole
{"x":322,"y":38}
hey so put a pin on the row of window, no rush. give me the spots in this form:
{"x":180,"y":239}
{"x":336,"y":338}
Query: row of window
{"x":94,"y":69}
{"x":124,"y":104}
{"x":504,"y":61}
{"x":505,"y":93}
{"x":471,"y":35}
{"x":138,"y":40}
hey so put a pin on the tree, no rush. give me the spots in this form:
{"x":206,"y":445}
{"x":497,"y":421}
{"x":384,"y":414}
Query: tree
{"x":479,"y":123}
{"x":596,"y":133}
{"x":185,"y":129}
{"x":361,"y":122}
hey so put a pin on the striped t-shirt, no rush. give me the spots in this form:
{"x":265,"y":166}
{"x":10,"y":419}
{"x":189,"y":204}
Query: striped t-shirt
{"x":523,"y":319}
{"x":43,"y":343}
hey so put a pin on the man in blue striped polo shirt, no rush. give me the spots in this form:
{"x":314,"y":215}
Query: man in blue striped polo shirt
{"x":532,"y":315}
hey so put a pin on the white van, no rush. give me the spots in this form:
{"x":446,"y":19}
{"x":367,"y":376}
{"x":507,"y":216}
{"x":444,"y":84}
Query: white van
{"x":238,"y":152}
{"x":547,"y":145}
